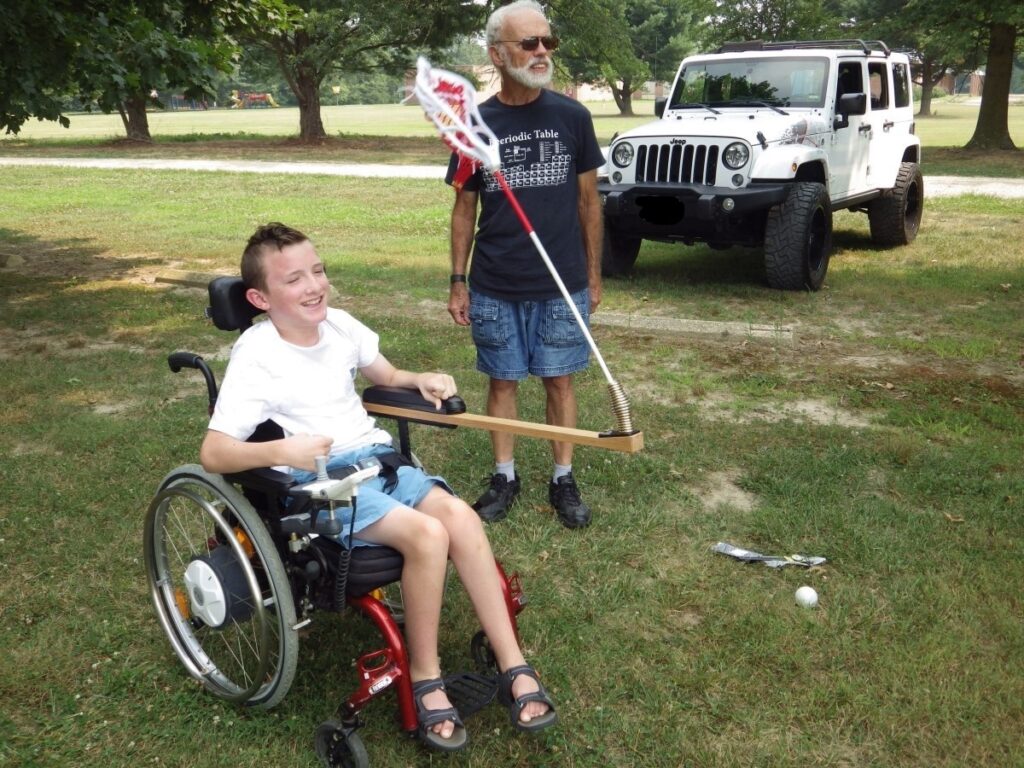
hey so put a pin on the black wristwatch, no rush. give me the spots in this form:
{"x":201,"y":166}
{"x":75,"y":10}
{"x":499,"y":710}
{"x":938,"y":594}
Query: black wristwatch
{"x":453,"y":279}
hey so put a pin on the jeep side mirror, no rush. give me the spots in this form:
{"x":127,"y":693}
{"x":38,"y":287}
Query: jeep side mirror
{"x":849,"y":104}
{"x":853,"y":104}
{"x":659,"y":106}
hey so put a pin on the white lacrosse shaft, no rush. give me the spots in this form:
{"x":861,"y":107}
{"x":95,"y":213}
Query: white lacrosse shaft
{"x":443,"y":96}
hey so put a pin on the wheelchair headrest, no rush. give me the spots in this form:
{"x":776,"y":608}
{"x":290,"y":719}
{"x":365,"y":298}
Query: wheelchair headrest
{"x":229,"y":309}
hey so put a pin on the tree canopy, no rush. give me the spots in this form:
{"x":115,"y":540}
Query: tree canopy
{"x":116,"y":56}
{"x":310,"y":39}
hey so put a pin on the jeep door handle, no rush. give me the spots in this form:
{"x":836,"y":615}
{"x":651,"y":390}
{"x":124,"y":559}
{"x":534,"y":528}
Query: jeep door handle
{"x":866,"y":128}
{"x":887,"y":125}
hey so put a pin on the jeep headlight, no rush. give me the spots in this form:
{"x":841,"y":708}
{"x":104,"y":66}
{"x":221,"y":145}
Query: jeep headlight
{"x":736,"y":155}
{"x":622,"y":155}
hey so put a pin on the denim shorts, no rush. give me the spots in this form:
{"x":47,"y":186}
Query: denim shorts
{"x":517,"y":338}
{"x":371,"y":501}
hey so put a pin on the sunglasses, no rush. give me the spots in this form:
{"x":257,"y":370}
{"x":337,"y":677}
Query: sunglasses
{"x":532,"y":43}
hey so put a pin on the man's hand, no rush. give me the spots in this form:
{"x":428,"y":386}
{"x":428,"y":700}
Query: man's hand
{"x":436,"y":387}
{"x":458,"y":303}
{"x":301,"y":450}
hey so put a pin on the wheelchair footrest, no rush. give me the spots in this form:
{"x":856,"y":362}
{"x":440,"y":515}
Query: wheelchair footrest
{"x":470,"y":692}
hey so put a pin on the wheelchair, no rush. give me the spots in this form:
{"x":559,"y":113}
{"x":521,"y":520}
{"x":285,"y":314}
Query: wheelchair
{"x":238,"y":564}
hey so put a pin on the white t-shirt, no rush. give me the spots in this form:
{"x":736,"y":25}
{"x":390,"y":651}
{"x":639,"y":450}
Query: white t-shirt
{"x":303,"y":389}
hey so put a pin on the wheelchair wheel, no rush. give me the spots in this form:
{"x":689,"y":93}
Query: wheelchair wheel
{"x":340,"y":747}
{"x":219,"y":588}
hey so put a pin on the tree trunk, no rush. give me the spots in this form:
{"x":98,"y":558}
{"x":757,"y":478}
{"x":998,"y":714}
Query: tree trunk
{"x":307,"y":91}
{"x":623,"y":98}
{"x":992,"y":130}
{"x":134,"y":118}
{"x":925,"y":107}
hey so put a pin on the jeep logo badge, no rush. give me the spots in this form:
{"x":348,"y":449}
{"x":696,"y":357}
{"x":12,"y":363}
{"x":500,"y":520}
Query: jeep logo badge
{"x":680,"y":142}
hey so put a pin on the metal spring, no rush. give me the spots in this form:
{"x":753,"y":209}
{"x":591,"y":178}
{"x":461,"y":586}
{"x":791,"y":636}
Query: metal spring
{"x":620,"y":406}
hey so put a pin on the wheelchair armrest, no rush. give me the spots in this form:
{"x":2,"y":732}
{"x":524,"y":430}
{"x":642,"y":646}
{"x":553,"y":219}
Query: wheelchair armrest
{"x":264,"y":479}
{"x":400,"y":397}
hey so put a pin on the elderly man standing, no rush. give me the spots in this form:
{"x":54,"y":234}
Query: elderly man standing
{"x":520,"y":323}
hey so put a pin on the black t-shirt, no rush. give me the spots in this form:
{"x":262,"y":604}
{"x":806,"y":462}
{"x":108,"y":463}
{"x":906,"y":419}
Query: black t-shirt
{"x":544,"y":145}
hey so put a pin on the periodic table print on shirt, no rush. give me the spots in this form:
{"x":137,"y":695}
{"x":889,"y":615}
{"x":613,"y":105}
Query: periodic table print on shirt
{"x":529,"y":160}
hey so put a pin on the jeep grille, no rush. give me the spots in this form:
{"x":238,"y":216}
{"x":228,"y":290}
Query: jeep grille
{"x":676,"y":163}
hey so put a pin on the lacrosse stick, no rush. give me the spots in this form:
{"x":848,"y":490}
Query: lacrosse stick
{"x":449,"y":102}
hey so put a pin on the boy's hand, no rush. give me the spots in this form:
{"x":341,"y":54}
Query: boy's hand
{"x":301,"y":450}
{"x":436,"y":387}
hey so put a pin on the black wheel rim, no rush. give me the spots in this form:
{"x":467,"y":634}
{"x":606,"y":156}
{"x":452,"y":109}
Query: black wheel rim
{"x":816,"y":236}
{"x":912,"y":214}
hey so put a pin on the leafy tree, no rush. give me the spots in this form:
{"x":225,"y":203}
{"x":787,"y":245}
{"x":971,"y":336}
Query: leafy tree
{"x":621,"y":44}
{"x":115,"y":55}
{"x":310,"y":39}
{"x":938,"y":48}
{"x":997,"y":25}
{"x":151,"y":48}
{"x":39,"y":43}
{"x":775,"y":20}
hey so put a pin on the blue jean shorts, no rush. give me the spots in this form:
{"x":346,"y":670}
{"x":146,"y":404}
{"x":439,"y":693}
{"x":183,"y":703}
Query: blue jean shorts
{"x":371,"y":502}
{"x":517,"y":338}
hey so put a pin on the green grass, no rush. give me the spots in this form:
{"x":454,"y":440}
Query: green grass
{"x":886,"y":437}
{"x":400,"y":134}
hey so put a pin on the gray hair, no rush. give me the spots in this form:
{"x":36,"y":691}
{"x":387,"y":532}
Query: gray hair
{"x":497,"y":19}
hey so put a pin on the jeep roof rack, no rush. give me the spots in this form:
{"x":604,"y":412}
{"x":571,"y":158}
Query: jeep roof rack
{"x":760,"y":45}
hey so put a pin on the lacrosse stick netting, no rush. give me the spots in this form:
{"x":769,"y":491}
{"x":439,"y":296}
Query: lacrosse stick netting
{"x":449,"y":102}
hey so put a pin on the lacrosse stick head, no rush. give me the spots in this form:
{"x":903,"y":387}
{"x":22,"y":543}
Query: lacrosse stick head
{"x":449,"y":102}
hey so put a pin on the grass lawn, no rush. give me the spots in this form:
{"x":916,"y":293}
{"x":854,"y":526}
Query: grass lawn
{"x":400,"y":134}
{"x":886,"y":435}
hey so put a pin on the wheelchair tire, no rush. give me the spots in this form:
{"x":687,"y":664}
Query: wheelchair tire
{"x":220,"y":590}
{"x":340,"y":747}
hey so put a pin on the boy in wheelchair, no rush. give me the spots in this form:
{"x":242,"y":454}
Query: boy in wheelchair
{"x":299,"y":370}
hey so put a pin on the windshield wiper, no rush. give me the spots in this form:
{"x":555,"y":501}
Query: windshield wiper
{"x":694,"y":105}
{"x":753,"y":103}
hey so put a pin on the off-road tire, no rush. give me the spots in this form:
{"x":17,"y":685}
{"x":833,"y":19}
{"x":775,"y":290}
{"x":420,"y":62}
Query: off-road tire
{"x":619,"y":253}
{"x":798,"y":239}
{"x":895,"y":217}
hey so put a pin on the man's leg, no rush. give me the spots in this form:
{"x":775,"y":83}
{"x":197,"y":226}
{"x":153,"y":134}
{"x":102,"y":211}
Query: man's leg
{"x":494,"y":504}
{"x":561,"y":412}
{"x":563,"y":492}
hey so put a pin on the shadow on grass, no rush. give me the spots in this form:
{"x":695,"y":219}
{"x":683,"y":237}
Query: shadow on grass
{"x":663,"y":265}
{"x":71,"y":258}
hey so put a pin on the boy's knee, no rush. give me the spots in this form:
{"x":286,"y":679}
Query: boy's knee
{"x":430,"y":535}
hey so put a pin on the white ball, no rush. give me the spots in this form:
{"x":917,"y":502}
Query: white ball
{"x":807,"y":597}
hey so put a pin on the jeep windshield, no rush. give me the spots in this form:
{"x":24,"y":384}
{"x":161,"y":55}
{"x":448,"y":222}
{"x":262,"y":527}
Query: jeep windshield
{"x":753,"y":82}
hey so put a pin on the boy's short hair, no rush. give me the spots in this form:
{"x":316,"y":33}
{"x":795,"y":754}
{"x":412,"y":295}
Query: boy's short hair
{"x":276,"y":235}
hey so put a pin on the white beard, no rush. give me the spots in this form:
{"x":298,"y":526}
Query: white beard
{"x":524,"y":76}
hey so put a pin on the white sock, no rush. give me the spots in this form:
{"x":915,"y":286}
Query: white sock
{"x":506,"y":468}
{"x":561,"y":470}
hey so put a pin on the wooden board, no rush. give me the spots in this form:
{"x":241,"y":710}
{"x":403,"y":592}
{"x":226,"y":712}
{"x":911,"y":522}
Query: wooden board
{"x":623,"y":443}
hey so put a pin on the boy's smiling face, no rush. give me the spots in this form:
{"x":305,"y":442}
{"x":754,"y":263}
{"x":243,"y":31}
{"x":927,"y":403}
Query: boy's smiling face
{"x":296,"y":294}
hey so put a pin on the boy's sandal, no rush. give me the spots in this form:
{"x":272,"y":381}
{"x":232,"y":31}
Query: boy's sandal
{"x":516,"y":705}
{"x":428,"y":718}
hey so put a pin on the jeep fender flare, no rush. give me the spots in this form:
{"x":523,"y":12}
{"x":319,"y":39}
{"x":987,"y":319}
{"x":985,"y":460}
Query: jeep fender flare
{"x":783,"y":163}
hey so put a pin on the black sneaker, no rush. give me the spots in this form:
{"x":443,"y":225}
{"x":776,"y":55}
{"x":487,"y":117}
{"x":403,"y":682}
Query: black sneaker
{"x":496,"y":500}
{"x":565,"y":498}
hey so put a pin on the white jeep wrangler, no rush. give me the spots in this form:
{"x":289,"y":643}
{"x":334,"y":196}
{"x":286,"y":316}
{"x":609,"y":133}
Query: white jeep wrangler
{"x":758,"y":144}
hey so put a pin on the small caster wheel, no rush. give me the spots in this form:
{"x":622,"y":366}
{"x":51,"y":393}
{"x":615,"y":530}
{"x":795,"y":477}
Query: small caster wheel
{"x":481,"y":652}
{"x":340,"y":747}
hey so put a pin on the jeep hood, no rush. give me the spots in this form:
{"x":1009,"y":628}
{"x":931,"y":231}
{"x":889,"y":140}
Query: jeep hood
{"x":794,"y":128}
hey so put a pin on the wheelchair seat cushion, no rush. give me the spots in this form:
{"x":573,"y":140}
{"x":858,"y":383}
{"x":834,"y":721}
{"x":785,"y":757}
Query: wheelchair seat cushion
{"x":369,"y":567}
